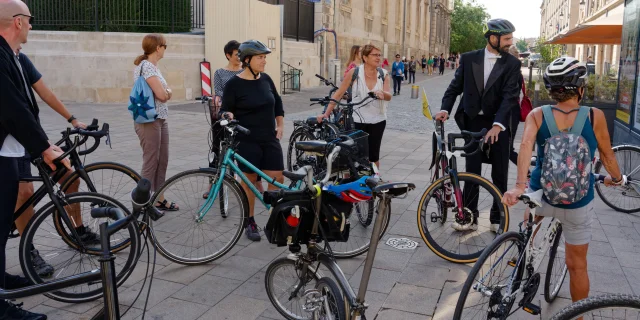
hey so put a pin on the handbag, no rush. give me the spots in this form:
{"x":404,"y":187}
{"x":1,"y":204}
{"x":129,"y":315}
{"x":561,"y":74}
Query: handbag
{"x":142,"y":105}
{"x":525,"y":105}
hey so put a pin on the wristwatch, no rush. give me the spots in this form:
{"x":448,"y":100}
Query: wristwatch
{"x":71,"y":119}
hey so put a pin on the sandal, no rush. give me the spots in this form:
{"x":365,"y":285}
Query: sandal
{"x":163,"y":206}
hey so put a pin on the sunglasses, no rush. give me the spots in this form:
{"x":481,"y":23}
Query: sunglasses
{"x":164,"y":46}
{"x":31,"y":18}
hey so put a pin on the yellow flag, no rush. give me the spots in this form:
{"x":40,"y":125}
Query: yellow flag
{"x":425,"y":106}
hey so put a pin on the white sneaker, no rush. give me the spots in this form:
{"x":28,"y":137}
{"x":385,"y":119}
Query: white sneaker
{"x":494,"y":227}
{"x":465,"y":227}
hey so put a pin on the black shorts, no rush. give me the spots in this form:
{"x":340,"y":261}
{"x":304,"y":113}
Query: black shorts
{"x":264,"y":155}
{"x":24,"y":167}
{"x":375,"y":131}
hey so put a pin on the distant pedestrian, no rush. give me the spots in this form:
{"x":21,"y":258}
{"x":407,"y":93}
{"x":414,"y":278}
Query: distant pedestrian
{"x":397,"y":73}
{"x":154,"y":136}
{"x":413,"y":65}
{"x":430,"y":62}
{"x":405,"y":62}
{"x":424,"y":63}
{"x":453,"y":62}
{"x":442,"y":63}
{"x":354,"y":59}
{"x":436,"y":63}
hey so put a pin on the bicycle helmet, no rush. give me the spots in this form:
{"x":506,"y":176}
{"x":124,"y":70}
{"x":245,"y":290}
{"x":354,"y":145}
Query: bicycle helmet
{"x":353,"y":192}
{"x":497,"y":27}
{"x":566,"y":73}
{"x":251,"y":48}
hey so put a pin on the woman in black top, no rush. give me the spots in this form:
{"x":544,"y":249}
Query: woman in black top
{"x":252,"y":99}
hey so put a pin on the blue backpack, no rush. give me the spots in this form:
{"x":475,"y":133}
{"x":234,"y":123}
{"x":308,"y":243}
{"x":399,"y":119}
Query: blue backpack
{"x":142,"y":105}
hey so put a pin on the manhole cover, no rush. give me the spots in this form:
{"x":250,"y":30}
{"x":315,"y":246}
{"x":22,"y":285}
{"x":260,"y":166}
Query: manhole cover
{"x":402,"y":243}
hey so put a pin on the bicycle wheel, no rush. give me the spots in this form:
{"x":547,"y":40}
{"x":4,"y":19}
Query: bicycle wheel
{"x":437,"y":213}
{"x":62,"y":251}
{"x":622,"y":198}
{"x":334,"y":308}
{"x":183,"y":238}
{"x":607,"y":306}
{"x":296,"y":158}
{"x":557,"y":268}
{"x":285,"y":288}
{"x":359,"y":234}
{"x":108,"y":178}
{"x":480,"y":295}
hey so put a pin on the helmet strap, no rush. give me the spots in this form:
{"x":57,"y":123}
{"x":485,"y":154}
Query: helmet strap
{"x":492,"y":46}
{"x":255,"y":75}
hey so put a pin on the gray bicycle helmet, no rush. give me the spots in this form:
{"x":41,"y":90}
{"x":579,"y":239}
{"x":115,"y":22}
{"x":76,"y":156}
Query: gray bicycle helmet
{"x":251,"y":48}
{"x":565,"y":73}
{"x":497,"y":27}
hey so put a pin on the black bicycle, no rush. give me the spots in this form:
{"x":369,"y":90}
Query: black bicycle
{"x":607,"y":306}
{"x":453,"y":224}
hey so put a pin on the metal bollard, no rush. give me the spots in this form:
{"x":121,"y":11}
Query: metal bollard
{"x":415,"y":90}
{"x":536,"y":95}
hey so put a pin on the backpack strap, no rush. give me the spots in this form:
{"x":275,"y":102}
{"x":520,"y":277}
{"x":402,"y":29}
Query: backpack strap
{"x":381,"y":74}
{"x":547,"y":112}
{"x":356,"y":70}
{"x":581,"y":118}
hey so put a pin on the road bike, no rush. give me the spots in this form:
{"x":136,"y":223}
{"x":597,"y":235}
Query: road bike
{"x":451,"y":197}
{"x":624,"y":198}
{"x":607,"y":306}
{"x":296,"y":288}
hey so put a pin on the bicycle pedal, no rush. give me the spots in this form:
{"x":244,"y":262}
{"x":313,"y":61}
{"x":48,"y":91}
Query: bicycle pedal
{"x":532,"y":309}
{"x":435,"y":217}
{"x":155,"y":214}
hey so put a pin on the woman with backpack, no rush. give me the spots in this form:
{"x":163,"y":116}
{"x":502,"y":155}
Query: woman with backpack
{"x":372,"y":116}
{"x":567,"y":136}
{"x":354,"y":59}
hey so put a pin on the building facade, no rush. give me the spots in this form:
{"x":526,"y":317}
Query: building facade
{"x":605,"y":56}
{"x":558,"y":17}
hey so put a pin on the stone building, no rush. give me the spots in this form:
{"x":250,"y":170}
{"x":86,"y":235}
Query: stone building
{"x":557,"y":18}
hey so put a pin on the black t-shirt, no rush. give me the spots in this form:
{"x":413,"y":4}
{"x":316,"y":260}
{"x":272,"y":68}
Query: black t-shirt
{"x":30,"y":71}
{"x":255,"y":104}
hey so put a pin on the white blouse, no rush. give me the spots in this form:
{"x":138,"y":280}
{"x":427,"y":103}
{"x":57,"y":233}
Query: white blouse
{"x":374,"y":111}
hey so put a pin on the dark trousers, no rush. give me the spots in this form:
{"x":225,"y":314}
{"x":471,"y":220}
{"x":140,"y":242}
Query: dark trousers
{"x":498,"y":158}
{"x":412,"y":75}
{"x":442,"y":69}
{"x":397,"y":81}
{"x":406,"y":74}
{"x":9,"y":182}
{"x":515,"y":121}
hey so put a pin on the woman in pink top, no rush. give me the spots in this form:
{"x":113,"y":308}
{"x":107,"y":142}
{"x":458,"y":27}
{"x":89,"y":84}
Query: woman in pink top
{"x":354,"y":59}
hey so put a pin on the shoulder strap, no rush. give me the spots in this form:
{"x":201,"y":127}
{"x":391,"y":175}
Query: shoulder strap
{"x":591,"y":113}
{"x":141,"y":66}
{"x":578,"y":124}
{"x":547,"y":112}
{"x":356,"y":70}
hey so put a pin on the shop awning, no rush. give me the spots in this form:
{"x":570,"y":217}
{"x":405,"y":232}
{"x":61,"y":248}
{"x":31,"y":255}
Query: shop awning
{"x":604,"y":30}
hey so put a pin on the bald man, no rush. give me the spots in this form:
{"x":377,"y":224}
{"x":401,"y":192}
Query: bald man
{"x":20,"y":130}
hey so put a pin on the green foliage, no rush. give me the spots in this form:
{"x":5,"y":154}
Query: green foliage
{"x":467,"y":22}
{"x":522,"y":45}
{"x":158,"y":16}
{"x":599,"y":89}
{"x":548,"y":52}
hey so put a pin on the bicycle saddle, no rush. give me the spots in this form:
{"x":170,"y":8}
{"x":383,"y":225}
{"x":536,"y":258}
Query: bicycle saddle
{"x":312,"y":146}
{"x":394,"y":189}
{"x":532,"y":199}
{"x":312,"y":121}
{"x":295,"y":176}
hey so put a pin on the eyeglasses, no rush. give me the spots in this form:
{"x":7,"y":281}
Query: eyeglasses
{"x":164,"y":46}
{"x":397,"y":57}
{"x":377,"y":55}
{"x":31,"y":18}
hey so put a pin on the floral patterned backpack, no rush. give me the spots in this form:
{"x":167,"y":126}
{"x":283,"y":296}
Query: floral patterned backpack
{"x":566,"y":168}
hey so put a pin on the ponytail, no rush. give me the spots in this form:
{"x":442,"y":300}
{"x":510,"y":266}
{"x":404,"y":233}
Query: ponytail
{"x":140,"y":58}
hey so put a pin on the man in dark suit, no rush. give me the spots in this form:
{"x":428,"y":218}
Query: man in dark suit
{"x":489,"y":80}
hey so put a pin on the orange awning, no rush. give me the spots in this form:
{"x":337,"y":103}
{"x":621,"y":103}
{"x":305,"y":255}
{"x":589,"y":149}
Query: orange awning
{"x":604,"y":30}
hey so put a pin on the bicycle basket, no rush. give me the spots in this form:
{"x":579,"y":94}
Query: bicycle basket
{"x":358,"y":153}
{"x":334,"y":218}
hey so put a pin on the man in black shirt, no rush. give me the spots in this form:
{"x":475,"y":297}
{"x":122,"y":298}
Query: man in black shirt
{"x":20,"y":130}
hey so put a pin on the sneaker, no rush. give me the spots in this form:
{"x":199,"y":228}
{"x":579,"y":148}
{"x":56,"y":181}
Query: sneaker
{"x":494,"y":227}
{"x":42,"y":267}
{"x":12,"y":282}
{"x":87,"y":236}
{"x":252,"y":231}
{"x":10,"y":311}
{"x":465,"y":227}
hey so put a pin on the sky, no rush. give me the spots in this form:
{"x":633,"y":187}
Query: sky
{"x":524,"y":14}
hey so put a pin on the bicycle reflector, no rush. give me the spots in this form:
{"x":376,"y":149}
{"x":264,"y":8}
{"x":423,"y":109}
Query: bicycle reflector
{"x":293,"y":220}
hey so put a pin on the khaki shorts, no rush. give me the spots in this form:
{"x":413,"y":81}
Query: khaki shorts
{"x":576,"y":223}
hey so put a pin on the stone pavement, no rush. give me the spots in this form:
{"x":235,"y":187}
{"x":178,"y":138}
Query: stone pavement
{"x":405,"y":284}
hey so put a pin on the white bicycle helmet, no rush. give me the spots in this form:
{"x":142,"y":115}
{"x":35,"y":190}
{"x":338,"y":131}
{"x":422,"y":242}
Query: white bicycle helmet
{"x":565,"y":73}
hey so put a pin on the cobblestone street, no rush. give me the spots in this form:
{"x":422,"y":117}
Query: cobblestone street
{"x":405,"y":284}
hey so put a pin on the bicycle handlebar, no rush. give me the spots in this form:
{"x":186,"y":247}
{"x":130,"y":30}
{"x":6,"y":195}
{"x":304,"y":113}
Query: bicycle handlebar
{"x":473,"y":137}
{"x":234,"y":125}
{"x":326,"y":82}
{"x":91,"y":131}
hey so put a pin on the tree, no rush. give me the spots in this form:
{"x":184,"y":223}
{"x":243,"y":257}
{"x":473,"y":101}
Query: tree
{"x":467,"y":24}
{"x":522,"y":45}
{"x":548,"y":52}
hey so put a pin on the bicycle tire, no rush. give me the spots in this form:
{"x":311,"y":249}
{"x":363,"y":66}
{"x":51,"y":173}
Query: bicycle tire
{"x":477,"y":267}
{"x":330,"y":290}
{"x":297,"y":135}
{"x":273,"y":296}
{"x":336,"y":247}
{"x":166,"y":240}
{"x":427,"y":236}
{"x":591,"y":304}
{"x":125,"y":196}
{"x":626,"y":170}
{"x":35,"y":224}
{"x":550,"y":295}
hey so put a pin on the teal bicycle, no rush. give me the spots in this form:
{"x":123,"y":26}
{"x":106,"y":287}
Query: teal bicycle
{"x":214,"y":208}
